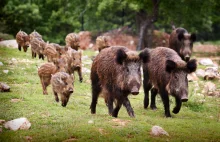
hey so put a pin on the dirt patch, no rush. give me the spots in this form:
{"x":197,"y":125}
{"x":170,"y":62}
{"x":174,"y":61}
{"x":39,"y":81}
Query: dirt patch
{"x":120,"y":123}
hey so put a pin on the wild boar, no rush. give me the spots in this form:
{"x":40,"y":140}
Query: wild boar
{"x":46,"y":70}
{"x":37,"y":47}
{"x":62,"y":84}
{"x":116,"y":73}
{"x":35,"y":34}
{"x":102,"y":42}
{"x":182,"y":42}
{"x":72,"y":40}
{"x":167,"y":72}
{"x":51,"y":53}
{"x":76,"y":64}
{"x":23,"y":40}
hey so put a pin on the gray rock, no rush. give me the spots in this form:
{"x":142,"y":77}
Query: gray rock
{"x":1,"y":64}
{"x":206,"y":62}
{"x":211,"y":73}
{"x":4,"y":87}
{"x":157,"y":131}
{"x":16,"y":124}
{"x":200,"y":73}
{"x":192,"y":77}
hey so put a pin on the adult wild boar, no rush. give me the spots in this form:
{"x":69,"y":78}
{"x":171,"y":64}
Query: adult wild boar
{"x":23,"y":40}
{"x":167,"y":72}
{"x":116,"y":73}
{"x":62,"y":84}
{"x":182,"y":42}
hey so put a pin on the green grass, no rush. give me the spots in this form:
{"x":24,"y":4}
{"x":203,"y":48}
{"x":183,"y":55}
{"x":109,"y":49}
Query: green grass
{"x":51,"y":122}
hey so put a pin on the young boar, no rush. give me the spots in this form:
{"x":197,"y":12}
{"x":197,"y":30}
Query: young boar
{"x":72,"y":40}
{"x":116,"y":73}
{"x":182,"y":42}
{"x":37,"y":47}
{"x":51,"y":52}
{"x":46,"y":70}
{"x":23,"y":40}
{"x":101,"y":42}
{"x":62,"y":84}
{"x":35,"y":34}
{"x":167,"y":72}
{"x":76,"y":64}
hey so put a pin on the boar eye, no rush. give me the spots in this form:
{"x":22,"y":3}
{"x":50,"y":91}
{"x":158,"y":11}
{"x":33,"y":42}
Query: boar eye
{"x":127,"y":69}
{"x":73,"y":58}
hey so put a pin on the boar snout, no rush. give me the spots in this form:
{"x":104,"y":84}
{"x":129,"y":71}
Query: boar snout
{"x":135,"y":90}
{"x":71,"y":90}
{"x":187,"y":57}
{"x":184,"y":98}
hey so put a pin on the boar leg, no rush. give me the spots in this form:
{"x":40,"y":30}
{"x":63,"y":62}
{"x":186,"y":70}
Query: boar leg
{"x":128,"y":107}
{"x":147,"y":86}
{"x":178,"y":105}
{"x":166,"y":103}
{"x":154,"y":92}
{"x":64,"y":100}
{"x":96,"y":89}
{"x":56,"y":96}
{"x":80,"y":74}
{"x":32,"y":54}
{"x":110,"y":104}
{"x":117,"y":108}
{"x":43,"y":86}
{"x":19,"y":47}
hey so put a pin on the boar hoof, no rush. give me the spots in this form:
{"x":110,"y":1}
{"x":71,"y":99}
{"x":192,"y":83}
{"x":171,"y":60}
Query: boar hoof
{"x":167,"y":115}
{"x":45,"y":93}
{"x":57,"y":99}
{"x":176,"y":110}
{"x":153,"y":107}
{"x":81,"y":79}
{"x":64,"y":105}
{"x":131,"y":114}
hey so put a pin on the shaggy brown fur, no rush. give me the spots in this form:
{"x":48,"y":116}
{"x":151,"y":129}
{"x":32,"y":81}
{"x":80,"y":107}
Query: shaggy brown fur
{"x":167,"y":72}
{"x":23,"y":40}
{"x":35,"y":34}
{"x":62,"y":84}
{"x":116,"y":73}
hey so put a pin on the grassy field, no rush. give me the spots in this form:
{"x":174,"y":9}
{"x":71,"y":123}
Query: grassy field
{"x":197,"y":121}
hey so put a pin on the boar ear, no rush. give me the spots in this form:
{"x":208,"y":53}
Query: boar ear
{"x":170,"y":65}
{"x":180,"y":36}
{"x":191,"y":65}
{"x":144,"y":55}
{"x":120,"y":56}
{"x":193,"y":37}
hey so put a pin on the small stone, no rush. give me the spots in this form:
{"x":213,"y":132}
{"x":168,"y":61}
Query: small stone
{"x":157,"y":131}
{"x":192,"y":77}
{"x":90,"y":121}
{"x":200,"y":73}
{"x":1,"y":64}
{"x":4,"y":87}
{"x":206,"y":62}
{"x":5,"y":71}
{"x":2,"y":121}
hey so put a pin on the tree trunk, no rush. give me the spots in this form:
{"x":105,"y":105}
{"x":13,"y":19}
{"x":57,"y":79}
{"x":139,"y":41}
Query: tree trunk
{"x":146,"y":22}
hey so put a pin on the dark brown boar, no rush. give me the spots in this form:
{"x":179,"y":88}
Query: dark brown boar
{"x":46,"y":70}
{"x":72,"y":40}
{"x":62,"y":84}
{"x":37,"y":47}
{"x":102,"y":42}
{"x":23,"y":40}
{"x":167,"y":72}
{"x":182,"y":42}
{"x":116,"y":73}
